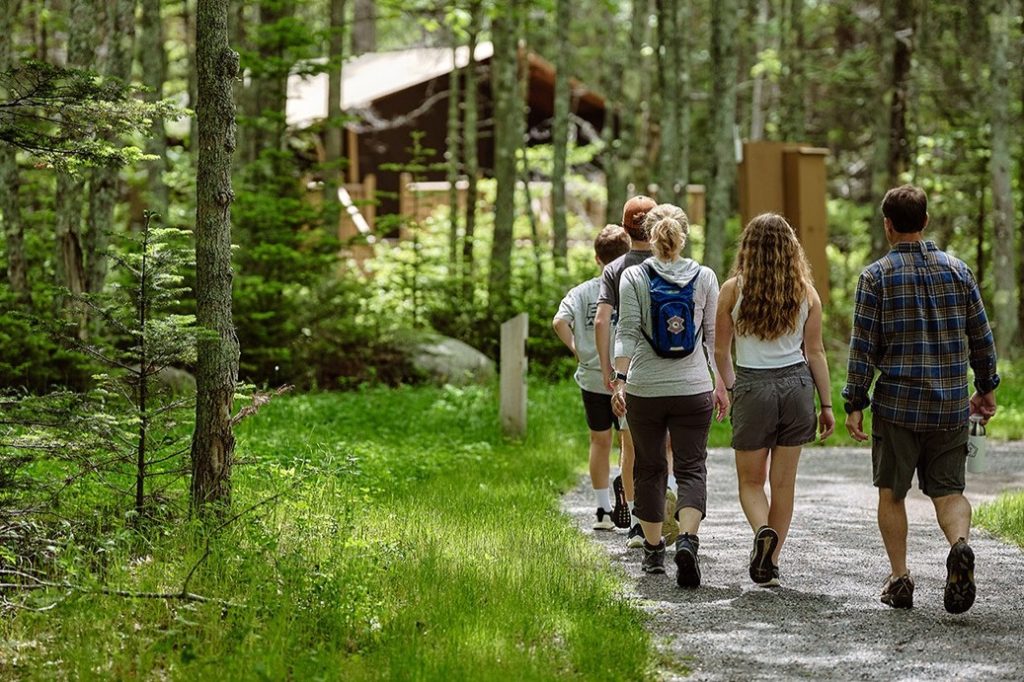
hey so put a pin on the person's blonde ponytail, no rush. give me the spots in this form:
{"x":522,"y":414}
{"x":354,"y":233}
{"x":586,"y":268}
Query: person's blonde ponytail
{"x":668,"y":228}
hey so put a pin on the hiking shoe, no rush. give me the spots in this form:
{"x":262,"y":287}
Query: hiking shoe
{"x":670,"y":528}
{"x":687,"y":561}
{"x":899,"y":592}
{"x":765,"y":542}
{"x":620,"y":515}
{"x":635,"y":538}
{"x":604,"y":520}
{"x":654,"y":558}
{"x":774,"y":580}
{"x":960,"y":591}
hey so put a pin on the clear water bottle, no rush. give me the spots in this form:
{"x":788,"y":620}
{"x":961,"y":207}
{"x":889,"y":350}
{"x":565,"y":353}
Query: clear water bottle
{"x":977,"y":446}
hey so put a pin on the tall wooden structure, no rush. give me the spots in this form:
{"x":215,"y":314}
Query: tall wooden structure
{"x":789,"y":179}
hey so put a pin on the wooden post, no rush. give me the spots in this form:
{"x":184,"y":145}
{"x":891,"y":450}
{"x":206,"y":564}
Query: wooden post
{"x":806,"y":187}
{"x":513,"y":375}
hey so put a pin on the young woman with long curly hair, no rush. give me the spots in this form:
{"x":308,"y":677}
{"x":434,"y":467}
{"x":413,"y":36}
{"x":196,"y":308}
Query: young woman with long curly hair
{"x":770,"y":308}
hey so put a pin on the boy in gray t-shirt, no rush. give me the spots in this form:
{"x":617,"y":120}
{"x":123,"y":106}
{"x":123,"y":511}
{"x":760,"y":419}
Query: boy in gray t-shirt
{"x":574,"y":325}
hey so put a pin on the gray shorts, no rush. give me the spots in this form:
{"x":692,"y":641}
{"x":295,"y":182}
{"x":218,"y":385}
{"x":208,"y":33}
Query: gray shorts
{"x":937,"y":456}
{"x":773,"y":407}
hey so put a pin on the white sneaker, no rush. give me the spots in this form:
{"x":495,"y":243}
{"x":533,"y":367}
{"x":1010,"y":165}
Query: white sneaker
{"x":635,"y":538}
{"x":604,"y":520}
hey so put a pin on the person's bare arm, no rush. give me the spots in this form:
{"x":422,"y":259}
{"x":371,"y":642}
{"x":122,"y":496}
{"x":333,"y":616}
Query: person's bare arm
{"x":564,"y":333}
{"x":814,"y":349}
{"x":603,"y":338}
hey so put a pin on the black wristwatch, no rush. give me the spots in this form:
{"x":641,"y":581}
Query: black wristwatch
{"x":620,"y":376}
{"x":848,"y":408}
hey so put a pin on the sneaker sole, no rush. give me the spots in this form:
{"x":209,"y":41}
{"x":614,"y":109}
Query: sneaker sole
{"x":960,"y":589}
{"x":620,"y":515}
{"x":657,"y":570}
{"x":603,"y":525}
{"x":689,"y":571}
{"x":765,"y":543}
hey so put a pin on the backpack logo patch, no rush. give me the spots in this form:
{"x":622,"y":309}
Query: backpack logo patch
{"x":675,"y":325}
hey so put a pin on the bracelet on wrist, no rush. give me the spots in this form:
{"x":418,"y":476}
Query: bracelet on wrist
{"x":826,"y":407}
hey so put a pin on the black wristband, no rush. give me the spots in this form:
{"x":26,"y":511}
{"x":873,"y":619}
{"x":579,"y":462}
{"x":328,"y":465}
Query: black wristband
{"x":620,"y":376}
{"x":826,"y":406}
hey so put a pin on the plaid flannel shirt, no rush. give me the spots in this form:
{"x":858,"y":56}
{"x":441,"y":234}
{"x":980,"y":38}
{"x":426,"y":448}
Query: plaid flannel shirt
{"x":919,"y":319}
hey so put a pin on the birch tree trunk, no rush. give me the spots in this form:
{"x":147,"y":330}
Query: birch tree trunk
{"x":1003,"y":217}
{"x":154,"y":70}
{"x":105,"y":182}
{"x":560,"y":133}
{"x":507,"y":112}
{"x":723,"y":175}
{"x":10,"y":209}
{"x":213,"y":441}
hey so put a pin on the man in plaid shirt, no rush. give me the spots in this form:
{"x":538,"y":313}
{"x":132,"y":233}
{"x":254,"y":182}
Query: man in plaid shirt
{"x":919,"y":320}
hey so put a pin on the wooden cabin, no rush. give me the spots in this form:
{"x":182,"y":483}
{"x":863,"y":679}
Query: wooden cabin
{"x":389,"y":95}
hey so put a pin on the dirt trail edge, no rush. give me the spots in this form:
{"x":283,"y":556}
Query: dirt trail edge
{"x":826,"y":621}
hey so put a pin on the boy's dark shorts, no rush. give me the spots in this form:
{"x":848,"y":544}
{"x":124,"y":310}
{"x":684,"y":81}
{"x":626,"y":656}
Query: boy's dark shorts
{"x":938,"y":457}
{"x":773,"y":407}
{"x":598,"y":407}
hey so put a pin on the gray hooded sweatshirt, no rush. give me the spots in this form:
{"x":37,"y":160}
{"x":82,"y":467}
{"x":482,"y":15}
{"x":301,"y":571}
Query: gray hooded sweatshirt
{"x":651,"y":376}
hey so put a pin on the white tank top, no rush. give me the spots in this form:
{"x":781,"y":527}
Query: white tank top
{"x":756,"y":353}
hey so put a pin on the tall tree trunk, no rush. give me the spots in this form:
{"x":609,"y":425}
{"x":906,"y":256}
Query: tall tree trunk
{"x":880,"y":148}
{"x":271,"y":87}
{"x":1020,"y":242}
{"x":105,"y":182}
{"x":154,"y":69}
{"x":213,"y":442}
{"x":794,"y":125}
{"x":723,"y":175}
{"x":10,"y":209}
{"x":364,"y":27}
{"x":189,"y":27}
{"x":635,"y":138}
{"x":69,"y":199}
{"x":1003,"y":216}
{"x":560,"y":133}
{"x":452,"y":156}
{"x":668,"y":79}
{"x":507,"y":113}
{"x":683,"y":116}
{"x":332,"y":141}
{"x":472,"y":163}
{"x":899,"y":137}
{"x":757,"y":92}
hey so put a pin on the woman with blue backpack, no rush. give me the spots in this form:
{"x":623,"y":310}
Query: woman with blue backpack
{"x":664,"y":383}
{"x":770,"y":308}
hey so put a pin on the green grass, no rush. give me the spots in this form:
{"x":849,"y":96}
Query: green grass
{"x":1004,"y":517}
{"x":417,"y":544}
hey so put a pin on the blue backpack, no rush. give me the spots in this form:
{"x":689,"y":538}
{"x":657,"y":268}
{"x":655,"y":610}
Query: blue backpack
{"x":674,"y":333}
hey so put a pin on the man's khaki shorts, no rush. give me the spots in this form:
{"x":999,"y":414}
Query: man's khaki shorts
{"x":938,"y":457}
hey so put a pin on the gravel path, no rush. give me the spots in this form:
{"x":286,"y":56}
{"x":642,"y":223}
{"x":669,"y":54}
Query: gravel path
{"x":826,"y":621}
